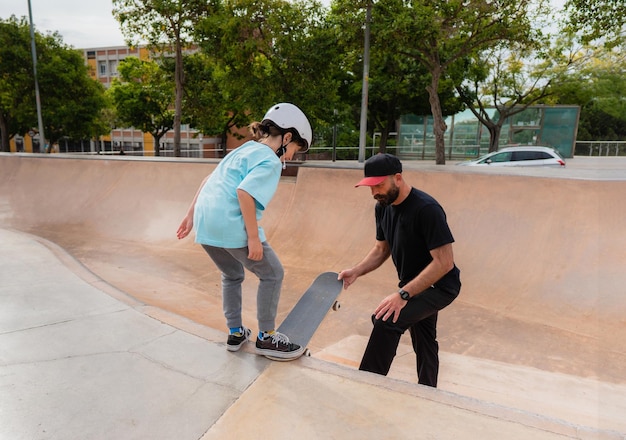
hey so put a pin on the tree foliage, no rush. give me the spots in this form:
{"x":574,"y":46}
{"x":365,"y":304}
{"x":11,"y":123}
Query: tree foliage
{"x":599,"y":87}
{"x":17,"y":99}
{"x":397,"y":83}
{"x":442,"y":34}
{"x":208,"y":104}
{"x":72,"y":102}
{"x":143,"y":98}
{"x":511,"y":79}
{"x":249,"y":54}
{"x":165,"y":25}
{"x":598,"y":20}
{"x":259,"y":52}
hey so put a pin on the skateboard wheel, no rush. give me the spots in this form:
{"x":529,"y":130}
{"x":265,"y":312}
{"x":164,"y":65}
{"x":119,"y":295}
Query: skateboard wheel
{"x":336,"y":305}
{"x":307,"y":352}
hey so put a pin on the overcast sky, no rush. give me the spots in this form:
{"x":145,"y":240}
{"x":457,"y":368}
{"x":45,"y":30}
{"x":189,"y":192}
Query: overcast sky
{"x":82,"y":23}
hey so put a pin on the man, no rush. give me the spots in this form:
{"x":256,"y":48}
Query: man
{"x":411,"y":227}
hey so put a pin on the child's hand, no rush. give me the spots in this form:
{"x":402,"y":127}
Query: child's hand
{"x":255,"y":250}
{"x":185,"y":227}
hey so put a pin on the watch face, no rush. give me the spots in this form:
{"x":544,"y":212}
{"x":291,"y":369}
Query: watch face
{"x":405,"y":295}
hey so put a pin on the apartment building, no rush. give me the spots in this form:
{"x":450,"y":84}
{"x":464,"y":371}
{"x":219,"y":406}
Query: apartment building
{"x":103,"y":63}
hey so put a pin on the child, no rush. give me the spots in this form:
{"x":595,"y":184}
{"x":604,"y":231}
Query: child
{"x":225,"y":212}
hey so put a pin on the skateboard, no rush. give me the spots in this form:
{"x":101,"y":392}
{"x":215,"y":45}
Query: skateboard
{"x":310,"y":310}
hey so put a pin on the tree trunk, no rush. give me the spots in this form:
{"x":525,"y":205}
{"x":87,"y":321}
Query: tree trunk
{"x":4,"y":130}
{"x":389,"y":126}
{"x":157,"y":144}
{"x":439,"y":125}
{"x":494,"y":136}
{"x":384,"y":135}
{"x":224,"y":143}
{"x":178,"y":75}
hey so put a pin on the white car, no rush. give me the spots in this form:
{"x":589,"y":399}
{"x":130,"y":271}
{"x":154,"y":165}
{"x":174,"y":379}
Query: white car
{"x":520,"y":157}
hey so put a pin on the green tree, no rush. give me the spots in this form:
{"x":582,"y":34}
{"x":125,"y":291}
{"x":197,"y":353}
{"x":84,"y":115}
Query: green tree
{"x":208,"y":104}
{"x":397,"y":83}
{"x":599,"y":87}
{"x":442,"y":34}
{"x":511,"y":79}
{"x":598,"y":20}
{"x":257,"y":53}
{"x":72,"y":102}
{"x":17,"y":99}
{"x":143,"y":96}
{"x":165,"y":25}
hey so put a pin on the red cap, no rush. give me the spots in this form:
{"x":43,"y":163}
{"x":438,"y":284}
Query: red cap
{"x":371,"y":181}
{"x":378,"y":167}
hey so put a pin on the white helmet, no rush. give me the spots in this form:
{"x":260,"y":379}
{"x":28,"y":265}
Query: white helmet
{"x":286,"y":116}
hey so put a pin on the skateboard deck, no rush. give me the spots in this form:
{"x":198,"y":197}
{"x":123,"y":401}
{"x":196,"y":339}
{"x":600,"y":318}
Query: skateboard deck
{"x":311,"y":309}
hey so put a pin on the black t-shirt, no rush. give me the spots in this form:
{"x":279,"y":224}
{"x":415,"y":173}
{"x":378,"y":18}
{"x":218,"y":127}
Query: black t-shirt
{"x":413,"y":228}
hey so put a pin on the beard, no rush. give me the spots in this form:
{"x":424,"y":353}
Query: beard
{"x":388,"y":198}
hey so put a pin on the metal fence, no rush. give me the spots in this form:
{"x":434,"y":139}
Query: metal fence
{"x":600,"y":148}
{"x":425,"y":151}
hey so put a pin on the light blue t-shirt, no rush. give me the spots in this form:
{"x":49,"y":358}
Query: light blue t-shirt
{"x":254,"y":168}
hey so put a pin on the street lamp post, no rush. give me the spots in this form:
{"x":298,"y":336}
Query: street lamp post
{"x":42,"y":137}
{"x":365,"y":89}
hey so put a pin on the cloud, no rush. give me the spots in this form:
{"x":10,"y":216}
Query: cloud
{"x":82,"y":24}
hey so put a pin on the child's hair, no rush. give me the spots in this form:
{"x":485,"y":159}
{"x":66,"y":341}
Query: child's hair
{"x":259,"y":131}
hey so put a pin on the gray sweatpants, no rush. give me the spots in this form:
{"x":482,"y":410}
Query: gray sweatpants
{"x":231,"y":262}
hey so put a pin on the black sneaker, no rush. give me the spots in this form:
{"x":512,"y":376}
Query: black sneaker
{"x":236,"y":340}
{"x":276,"y":346}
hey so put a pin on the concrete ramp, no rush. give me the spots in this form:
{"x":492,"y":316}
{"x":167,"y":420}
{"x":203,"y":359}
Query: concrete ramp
{"x":539,"y":324}
{"x":81,"y":359}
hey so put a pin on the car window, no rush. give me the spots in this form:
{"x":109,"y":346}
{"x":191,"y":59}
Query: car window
{"x":499,"y":157}
{"x":528,"y":155}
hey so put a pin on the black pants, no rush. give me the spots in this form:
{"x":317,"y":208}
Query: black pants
{"x":419,"y":316}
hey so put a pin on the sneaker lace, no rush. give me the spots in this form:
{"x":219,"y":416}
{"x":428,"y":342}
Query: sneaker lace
{"x":279,"y":338}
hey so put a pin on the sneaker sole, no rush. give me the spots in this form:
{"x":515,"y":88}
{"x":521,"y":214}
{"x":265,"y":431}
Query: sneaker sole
{"x":282,"y":356}
{"x":235,"y":347}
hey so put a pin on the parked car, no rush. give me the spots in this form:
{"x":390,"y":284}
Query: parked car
{"x":520,"y":157}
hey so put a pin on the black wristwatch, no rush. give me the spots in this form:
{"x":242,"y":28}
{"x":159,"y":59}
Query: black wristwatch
{"x":404,"y":294}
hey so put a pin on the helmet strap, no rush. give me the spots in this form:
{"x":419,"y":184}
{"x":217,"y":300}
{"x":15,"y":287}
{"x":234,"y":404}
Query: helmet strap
{"x":282,"y":150}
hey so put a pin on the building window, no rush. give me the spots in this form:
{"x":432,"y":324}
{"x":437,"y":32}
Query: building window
{"x":102,"y":68}
{"x":113,"y":68}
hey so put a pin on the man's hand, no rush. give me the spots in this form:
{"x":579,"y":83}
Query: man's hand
{"x":348,"y":276}
{"x":390,"y":306}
